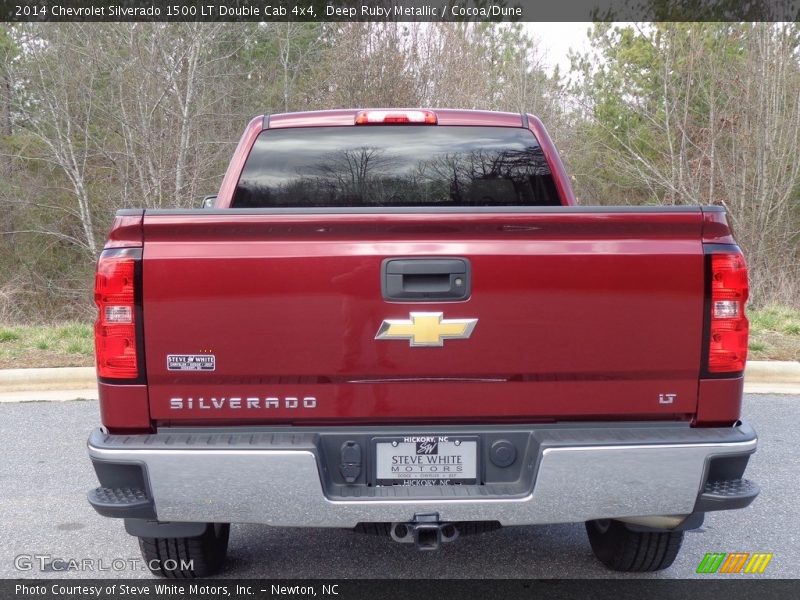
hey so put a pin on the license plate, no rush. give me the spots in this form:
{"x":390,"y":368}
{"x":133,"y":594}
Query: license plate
{"x":426,"y":460}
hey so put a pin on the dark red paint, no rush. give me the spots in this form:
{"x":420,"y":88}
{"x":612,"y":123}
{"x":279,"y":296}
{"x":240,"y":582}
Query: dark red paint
{"x":124,"y":407}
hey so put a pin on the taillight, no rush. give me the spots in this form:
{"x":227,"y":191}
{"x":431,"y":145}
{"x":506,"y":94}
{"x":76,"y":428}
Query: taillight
{"x":115,"y":330}
{"x":396,"y":117}
{"x":727,"y":324}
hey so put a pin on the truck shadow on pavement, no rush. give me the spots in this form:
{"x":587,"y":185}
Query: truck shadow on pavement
{"x":513,"y":552}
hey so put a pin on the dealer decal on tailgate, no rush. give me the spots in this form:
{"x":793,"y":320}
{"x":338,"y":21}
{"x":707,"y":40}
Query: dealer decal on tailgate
{"x":191,"y":362}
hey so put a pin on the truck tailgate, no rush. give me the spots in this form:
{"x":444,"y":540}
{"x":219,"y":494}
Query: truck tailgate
{"x":581,"y":313}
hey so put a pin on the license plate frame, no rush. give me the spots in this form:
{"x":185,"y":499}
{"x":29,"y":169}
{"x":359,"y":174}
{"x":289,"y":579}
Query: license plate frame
{"x":421,"y":474}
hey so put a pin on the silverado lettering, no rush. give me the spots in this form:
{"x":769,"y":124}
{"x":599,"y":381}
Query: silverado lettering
{"x":428,"y":276}
{"x":237,"y":403}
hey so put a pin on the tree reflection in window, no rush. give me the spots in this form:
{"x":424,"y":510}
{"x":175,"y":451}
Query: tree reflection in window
{"x":396,"y":166}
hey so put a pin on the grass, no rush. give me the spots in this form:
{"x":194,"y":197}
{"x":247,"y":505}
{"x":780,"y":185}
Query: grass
{"x":60,"y":345}
{"x":8,"y":335}
{"x":774,"y":333}
{"x":792,"y":329}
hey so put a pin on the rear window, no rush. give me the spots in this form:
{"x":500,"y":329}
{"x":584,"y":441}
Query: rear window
{"x":395,"y":165}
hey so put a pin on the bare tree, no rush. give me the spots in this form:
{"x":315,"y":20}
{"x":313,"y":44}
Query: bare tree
{"x":59,"y":111}
{"x":169,"y":94}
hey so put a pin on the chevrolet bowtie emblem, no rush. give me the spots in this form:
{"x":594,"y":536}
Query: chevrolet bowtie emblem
{"x":426,"y":329}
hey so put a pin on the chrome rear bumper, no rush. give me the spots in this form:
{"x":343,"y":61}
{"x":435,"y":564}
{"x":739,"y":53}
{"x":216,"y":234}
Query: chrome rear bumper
{"x":276,"y":476}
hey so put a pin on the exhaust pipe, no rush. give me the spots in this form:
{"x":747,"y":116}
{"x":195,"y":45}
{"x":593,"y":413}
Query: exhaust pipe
{"x":426,"y":532}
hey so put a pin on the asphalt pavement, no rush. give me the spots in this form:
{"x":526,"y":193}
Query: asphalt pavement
{"x":45,"y":474}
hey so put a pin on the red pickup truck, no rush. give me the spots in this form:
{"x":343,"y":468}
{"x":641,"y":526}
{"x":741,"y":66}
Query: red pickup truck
{"x":400,"y":322}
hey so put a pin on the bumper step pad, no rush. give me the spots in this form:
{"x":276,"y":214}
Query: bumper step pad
{"x":727,"y":494}
{"x":122,"y":502}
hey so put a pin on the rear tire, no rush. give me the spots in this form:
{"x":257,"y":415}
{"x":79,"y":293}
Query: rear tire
{"x":622,"y":549}
{"x":187,"y":557}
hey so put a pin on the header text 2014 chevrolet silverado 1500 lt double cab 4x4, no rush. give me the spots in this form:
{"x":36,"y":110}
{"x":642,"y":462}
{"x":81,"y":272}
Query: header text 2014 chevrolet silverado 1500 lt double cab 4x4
{"x":401,"y":322}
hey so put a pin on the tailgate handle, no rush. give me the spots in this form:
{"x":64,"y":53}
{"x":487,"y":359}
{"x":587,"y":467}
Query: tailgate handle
{"x":415,"y":279}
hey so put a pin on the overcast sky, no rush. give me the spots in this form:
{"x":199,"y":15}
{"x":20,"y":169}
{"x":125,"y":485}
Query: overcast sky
{"x":555,"y":40}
